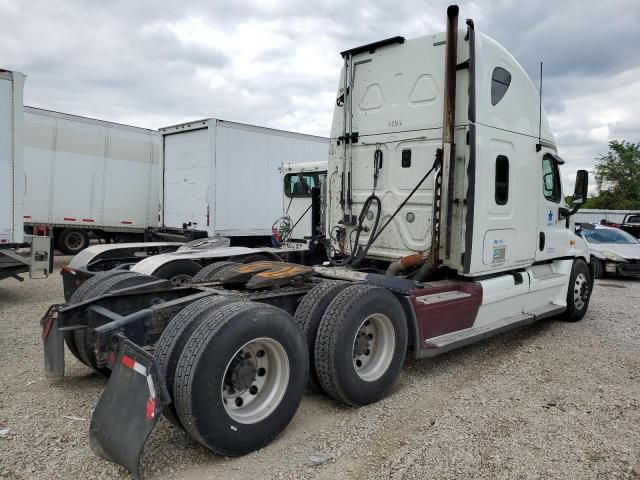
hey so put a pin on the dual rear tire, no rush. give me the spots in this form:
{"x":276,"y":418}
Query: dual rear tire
{"x":236,"y":372}
{"x":358,"y":334}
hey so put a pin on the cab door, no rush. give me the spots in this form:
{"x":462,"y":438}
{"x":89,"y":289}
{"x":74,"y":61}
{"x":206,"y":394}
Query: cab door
{"x":552,"y":230}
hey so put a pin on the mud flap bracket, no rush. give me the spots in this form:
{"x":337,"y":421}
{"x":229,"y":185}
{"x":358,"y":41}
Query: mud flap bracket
{"x":53,"y":340}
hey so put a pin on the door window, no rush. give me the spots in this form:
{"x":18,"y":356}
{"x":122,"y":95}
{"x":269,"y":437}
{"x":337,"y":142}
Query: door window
{"x":551,"y":180}
{"x":502,"y":180}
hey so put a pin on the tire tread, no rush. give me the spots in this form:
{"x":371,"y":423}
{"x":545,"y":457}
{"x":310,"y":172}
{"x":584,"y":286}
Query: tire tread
{"x":309,"y":315}
{"x":208,"y":272}
{"x":177,"y":331}
{"x":328,"y":332}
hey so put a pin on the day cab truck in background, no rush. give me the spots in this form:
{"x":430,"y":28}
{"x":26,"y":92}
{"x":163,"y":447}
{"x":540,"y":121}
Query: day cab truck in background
{"x":19,"y":253}
{"x":88,"y":178}
{"x":225,"y":178}
{"x":445,"y":224}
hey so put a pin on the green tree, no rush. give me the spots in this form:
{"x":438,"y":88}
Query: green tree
{"x":617,"y":176}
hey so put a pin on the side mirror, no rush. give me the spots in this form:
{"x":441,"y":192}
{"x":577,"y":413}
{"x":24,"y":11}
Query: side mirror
{"x":582,"y":186}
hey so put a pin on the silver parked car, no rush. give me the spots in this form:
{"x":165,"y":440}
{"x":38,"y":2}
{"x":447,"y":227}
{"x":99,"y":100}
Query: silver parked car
{"x":613,"y":251}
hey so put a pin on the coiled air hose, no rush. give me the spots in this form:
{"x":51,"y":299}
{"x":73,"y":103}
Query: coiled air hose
{"x":354,"y":259}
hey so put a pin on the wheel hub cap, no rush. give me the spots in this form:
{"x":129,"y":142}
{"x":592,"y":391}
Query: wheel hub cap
{"x":580,"y":291}
{"x":243,"y":375}
{"x":180,"y":280}
{"x":373,"y":347}
{"x":255,"y":380}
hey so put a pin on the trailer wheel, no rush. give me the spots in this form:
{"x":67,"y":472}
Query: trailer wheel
{"x":84,"y":338}
{"x":579,"y":292}
{"x":210,"y":272}
{"x":241,"y":377}
{"x":361,"y":344}
{"x":72,"y":241}
{"x":179,"y":273}
{"x":308,"y":316}
{"x":173,"y":338}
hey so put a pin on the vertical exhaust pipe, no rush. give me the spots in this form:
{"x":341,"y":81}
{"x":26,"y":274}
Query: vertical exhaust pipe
{"x":450,"y":63}
{"x":444,"y":179}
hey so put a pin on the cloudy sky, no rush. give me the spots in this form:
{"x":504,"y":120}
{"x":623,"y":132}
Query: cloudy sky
{"x":276,"y":63}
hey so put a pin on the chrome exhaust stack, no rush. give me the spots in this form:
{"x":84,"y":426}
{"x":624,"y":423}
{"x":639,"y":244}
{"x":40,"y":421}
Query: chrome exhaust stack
{"x":441,"y":230}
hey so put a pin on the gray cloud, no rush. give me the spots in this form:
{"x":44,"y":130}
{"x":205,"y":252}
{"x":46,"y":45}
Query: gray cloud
{"x":276,"y":63}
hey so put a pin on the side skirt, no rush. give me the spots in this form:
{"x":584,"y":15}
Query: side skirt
{"x":450,"y":341}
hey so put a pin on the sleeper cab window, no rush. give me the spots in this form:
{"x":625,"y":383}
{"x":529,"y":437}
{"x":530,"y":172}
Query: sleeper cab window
{"x":502,"y":180}
{"x":550,"y":179}
{"x":500,"y":81}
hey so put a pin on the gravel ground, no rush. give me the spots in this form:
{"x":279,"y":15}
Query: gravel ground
{"x":553,"y":400}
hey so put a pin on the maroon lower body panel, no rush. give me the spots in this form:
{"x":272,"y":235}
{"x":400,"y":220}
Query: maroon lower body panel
{"x":438,"y":313}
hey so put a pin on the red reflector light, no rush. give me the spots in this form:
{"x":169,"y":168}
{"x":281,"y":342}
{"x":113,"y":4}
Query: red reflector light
{"x":69,"y":219}
{"x":126,"y":222}
{"x":127,"y":361}
{"x":88,"y":220}
{"x":67,"y":269}
{"x":151,"y":408}
{"x":47,"y":327}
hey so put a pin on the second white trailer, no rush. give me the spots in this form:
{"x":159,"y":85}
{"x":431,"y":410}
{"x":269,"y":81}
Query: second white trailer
{"x":87,"y":177}
{"x":224,"y":177}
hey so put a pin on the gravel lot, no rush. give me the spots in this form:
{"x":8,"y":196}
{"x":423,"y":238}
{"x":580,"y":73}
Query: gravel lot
{"x":554,"y":400}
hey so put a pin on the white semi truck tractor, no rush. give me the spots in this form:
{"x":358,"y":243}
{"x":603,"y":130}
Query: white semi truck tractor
{"x":445,"y":224}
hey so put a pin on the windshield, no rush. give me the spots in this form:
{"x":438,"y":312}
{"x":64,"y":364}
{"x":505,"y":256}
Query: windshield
{"x":608,"y":236}
{"x":300,"y":184}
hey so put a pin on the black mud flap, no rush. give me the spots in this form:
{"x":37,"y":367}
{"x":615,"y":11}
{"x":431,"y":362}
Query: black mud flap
{"x":129,"y":407}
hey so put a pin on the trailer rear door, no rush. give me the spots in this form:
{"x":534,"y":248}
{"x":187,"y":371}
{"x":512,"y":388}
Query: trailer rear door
{"x":186,"y":179}
{"x":11,"y":172}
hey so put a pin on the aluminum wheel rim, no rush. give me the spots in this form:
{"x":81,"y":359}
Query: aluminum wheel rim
{"x":255,"y":380}
{"x":180,"y":280}
{"x":580,"y":291}
{"x":73,"y":241}
{"x":373,"y":347}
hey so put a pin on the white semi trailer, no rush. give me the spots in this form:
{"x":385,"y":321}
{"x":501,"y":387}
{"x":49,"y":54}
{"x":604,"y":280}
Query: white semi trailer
{"x":19,"y":253}
{"x":446,"y":225}
{"x":88,"y":178}
{"x":225,"y":177}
